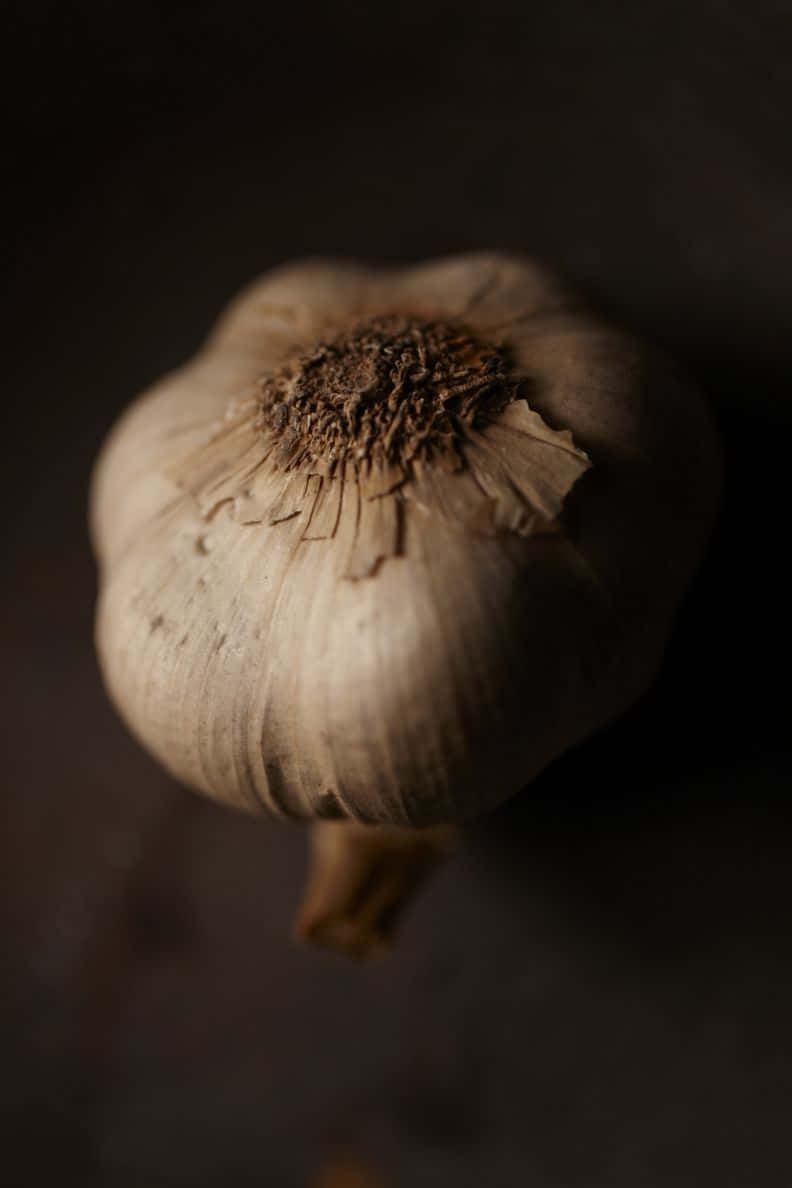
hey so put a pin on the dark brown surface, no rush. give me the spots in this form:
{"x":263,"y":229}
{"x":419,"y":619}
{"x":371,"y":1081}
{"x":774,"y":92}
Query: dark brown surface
{"x":595,"y":990}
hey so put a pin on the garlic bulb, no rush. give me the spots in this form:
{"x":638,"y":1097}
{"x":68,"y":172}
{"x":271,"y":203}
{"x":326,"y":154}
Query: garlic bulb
{"x":395,"y":539}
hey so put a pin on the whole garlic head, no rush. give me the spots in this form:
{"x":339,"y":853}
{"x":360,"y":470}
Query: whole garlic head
{"x":396,"y":538}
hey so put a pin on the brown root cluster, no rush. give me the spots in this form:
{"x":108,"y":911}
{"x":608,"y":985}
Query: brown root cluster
{"x":387,"y":393}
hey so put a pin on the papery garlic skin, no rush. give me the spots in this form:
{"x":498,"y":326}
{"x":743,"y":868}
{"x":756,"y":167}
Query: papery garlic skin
{"x":420,"y":683}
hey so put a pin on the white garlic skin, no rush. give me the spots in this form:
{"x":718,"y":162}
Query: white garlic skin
{"x":257,"y":673}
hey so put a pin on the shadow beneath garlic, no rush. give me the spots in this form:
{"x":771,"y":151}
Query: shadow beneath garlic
{"x":667,"y":833}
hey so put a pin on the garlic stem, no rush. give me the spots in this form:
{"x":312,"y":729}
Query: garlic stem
{"x":360,"y":878}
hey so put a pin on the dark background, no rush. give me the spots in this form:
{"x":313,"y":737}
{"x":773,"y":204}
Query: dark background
{"x":595,"y":991}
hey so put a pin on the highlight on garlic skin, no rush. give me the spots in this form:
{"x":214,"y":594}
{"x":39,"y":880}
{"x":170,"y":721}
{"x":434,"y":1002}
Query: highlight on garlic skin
{"x":393,"y":541}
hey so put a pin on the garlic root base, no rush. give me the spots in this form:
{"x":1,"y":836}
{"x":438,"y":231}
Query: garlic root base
{"x":359,"y":880}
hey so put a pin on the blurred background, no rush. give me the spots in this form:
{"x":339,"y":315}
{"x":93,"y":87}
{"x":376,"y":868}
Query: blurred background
{"x":595,"y":990}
